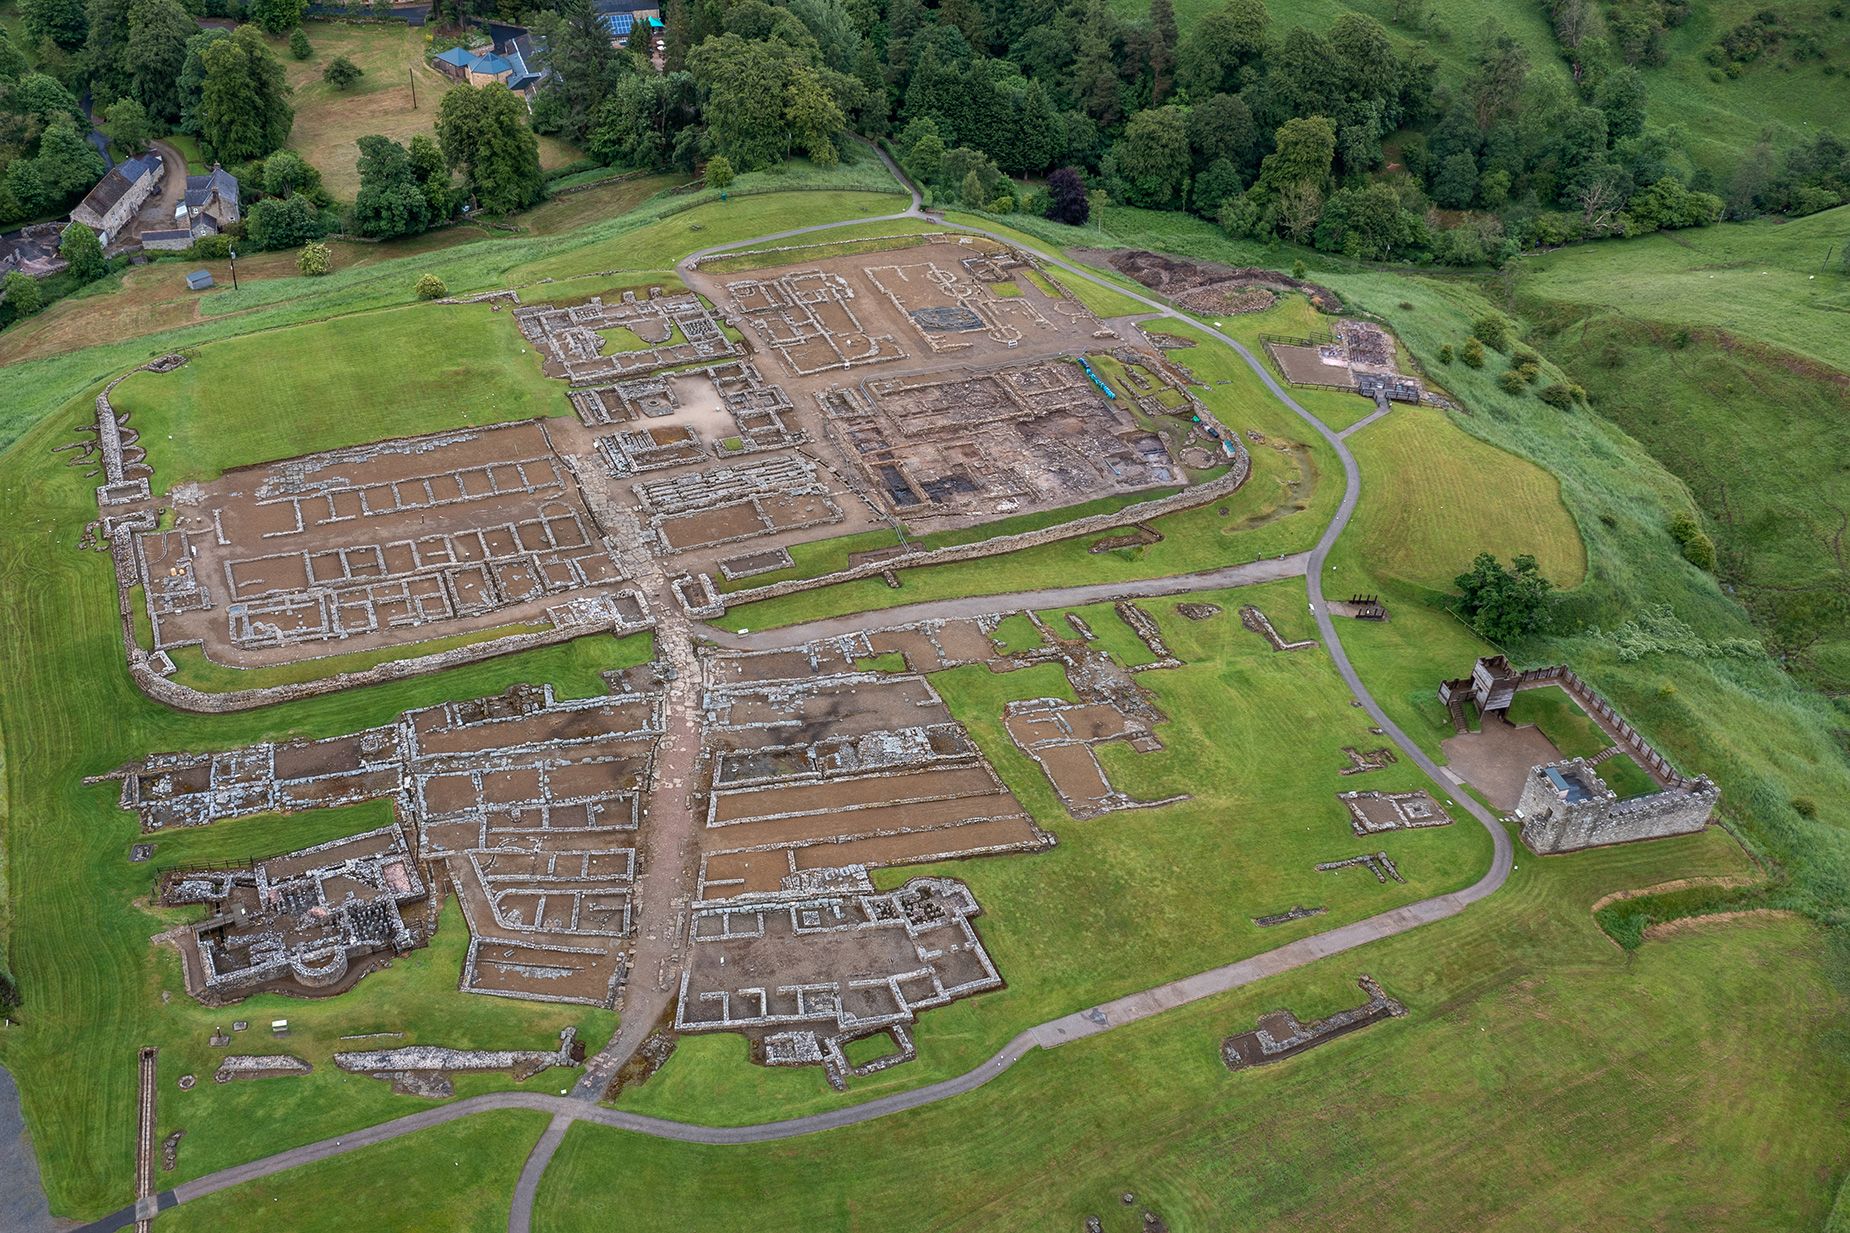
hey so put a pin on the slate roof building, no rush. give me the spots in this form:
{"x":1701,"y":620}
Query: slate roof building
{"x":111,"y":206}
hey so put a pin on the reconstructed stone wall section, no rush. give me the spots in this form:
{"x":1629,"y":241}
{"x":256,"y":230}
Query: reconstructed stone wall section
{"x":1550,"y":824}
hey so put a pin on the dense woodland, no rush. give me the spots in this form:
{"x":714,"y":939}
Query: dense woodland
{"x":1344,"y":138}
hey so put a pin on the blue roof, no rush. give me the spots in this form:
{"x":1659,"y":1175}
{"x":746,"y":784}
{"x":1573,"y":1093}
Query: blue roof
{"x":461,"y":57}
{"x":491,"y":65}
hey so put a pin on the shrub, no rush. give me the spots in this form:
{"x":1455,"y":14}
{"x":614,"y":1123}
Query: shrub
{"x":23,"y":294}
{"x":1528,"y":372}
{"x":1512,"y":382}
{"x":84,"y":251}
{"x":1493,"y":331}
{"x":1297,"y":268}
{"x":430,"y":287}
{"x":211,"y":248}
{"x":1473,"y":354}
{"x":342,"y":72}
{"x":1445,"y":354}
{"x":719,"y":172}
{"x":1557,"y":395}
{"x":315,"y":259}
{"x":1698,"y":548}
{"x":1805,"y":806}
{"x":298,"y":44}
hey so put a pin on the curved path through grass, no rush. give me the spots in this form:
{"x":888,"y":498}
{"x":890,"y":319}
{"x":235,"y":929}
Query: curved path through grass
{"x":581,"y":1106}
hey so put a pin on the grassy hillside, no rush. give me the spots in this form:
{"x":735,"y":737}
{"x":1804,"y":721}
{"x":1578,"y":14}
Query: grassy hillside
{"x":1771,"y":282}
{"x":1721,"y":117}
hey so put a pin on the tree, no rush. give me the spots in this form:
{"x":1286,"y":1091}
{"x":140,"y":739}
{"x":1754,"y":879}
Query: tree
{"x":80,"y":246}
{"x":299,"y":46}
{"x":1456,"y":185}
{"x":23,"y":294}
{"x":341,"y":72}
{"x":390,"y":201}
{"x":1163,"y":42}
{"x":243,"y":107}
{"x":741,"y":87}
{"x":159,"y":32}
{"x":278,"y":17}
{"x":105,"y":47}
{"x":433,"y":177}
{"x":1151,"y":160}
{"x":1067,"y":200}
{"x":67,"y":165}
{"x":430,"y":287}
{"x":719,"y":172}
{"x":1500,"y":603}
{"x":483,"y":132}
{"x":1303,"y":152}
{"x":286,"y":173}
{"x":1222,"y":127}
{"x":1040,"y":136}
{"x":1369,"y":223}
{"x":62,"y":22}
{"x":1220,"y":44}
{"x":125,"y":122}
{"x":811,"y":117}
{"x":315,"y":259}
{"x":273,"y":225}
{"x":642,"y":121}
{"x":575,"y":45}
{"x":1219,"y":181}
{"x":193,"y":78}
{"x":1621,"y":97}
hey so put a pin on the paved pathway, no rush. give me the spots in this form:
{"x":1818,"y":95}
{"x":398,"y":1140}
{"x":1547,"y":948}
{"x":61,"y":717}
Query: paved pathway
{"x":1053,"y":1033}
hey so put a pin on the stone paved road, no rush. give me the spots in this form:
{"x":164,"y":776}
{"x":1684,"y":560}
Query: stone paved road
{"x":1055,"y":1032}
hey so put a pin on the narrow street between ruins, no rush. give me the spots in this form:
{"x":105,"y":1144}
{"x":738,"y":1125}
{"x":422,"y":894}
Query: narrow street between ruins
{"x":668,"y":839}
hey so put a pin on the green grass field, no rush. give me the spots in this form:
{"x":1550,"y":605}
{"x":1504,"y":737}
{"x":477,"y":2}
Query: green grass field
{"x":1625,"y":777}
{"x":1765,"y":281}
{"x":457,"y":1177}
{"x":310,"y":388}
{"x":1519,"y":1055}
{"x":1755,"y":431}
{"x":1446,"y":497}
{"x":1570,"y":729}
{"x":90,"y":978}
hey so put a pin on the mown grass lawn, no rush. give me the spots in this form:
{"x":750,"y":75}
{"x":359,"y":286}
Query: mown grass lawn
{"x":319,"y":386}
{"x":1567,"y":727}
{"x":458,"y":1177}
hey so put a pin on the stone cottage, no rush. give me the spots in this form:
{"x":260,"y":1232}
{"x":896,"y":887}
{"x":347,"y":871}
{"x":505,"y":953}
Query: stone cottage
{"x":110,"y":207}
